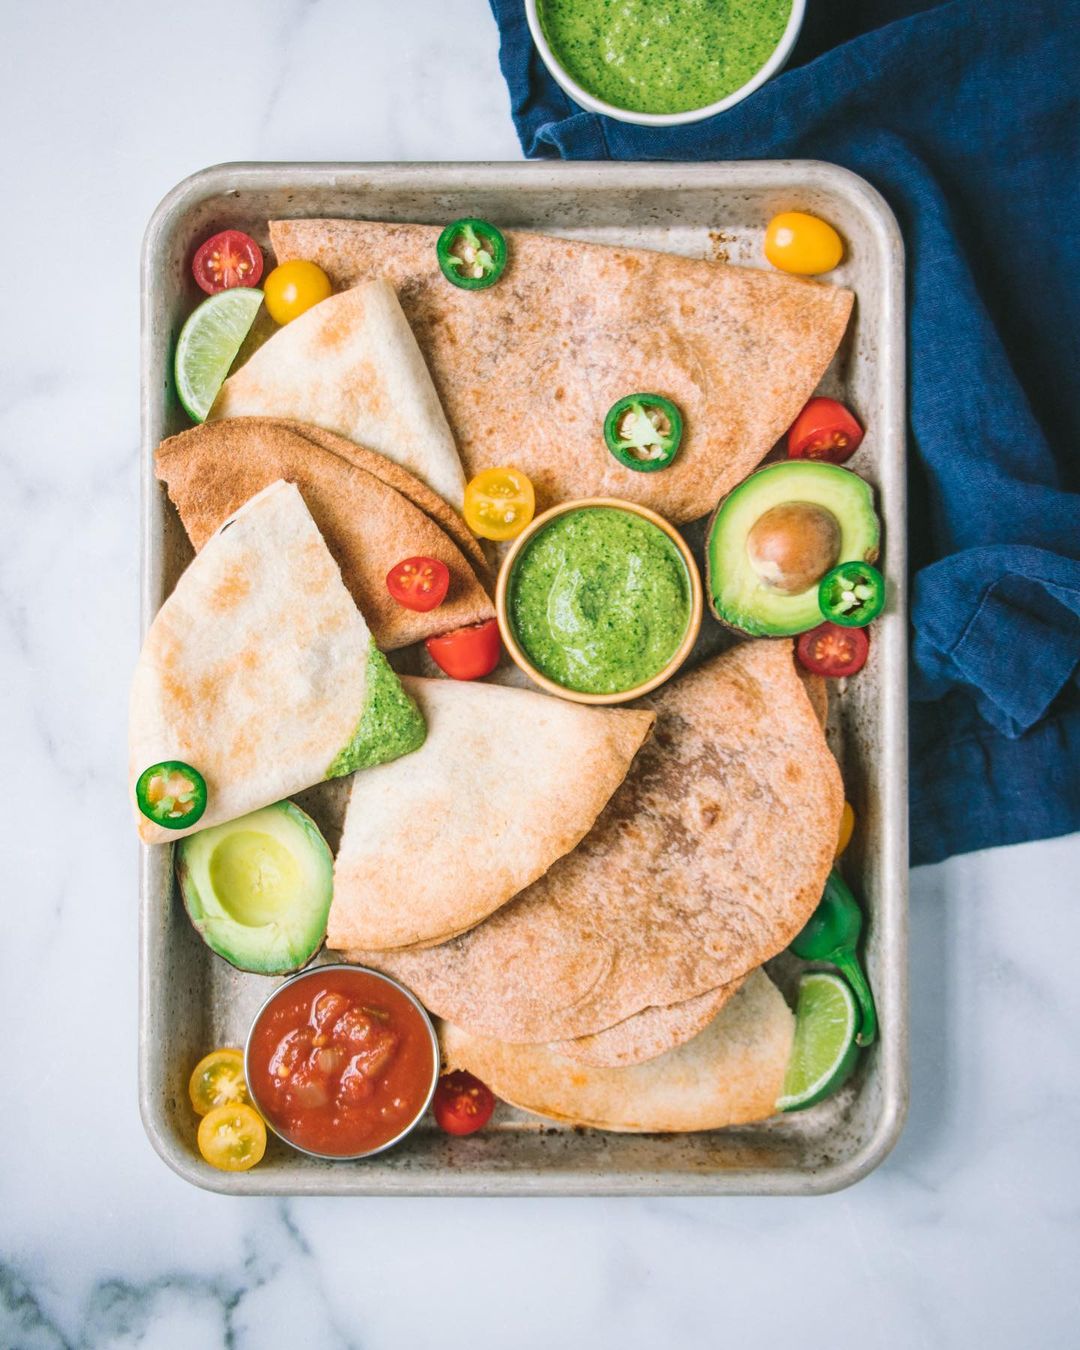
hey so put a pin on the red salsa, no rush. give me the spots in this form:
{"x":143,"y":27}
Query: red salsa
{"x":340,"y":1061}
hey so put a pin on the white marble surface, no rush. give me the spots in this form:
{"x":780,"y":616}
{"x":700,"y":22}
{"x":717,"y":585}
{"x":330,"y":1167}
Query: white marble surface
{"x":967,"y":1236}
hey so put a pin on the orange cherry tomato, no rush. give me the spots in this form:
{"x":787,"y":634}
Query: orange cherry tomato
{"x":217,"y":1080}
{"x":847,"y":829}
{"x":291,"y":289}
{"x":232,"y":1138}
{"x":419,"y":583}
{"x":499,"y":503}
{"x":469,"y":653}
{"x":462,"y":1104}
{"x":798,"y":242}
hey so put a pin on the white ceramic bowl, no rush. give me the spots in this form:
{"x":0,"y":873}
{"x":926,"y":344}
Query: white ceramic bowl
{"x":772,"y":66}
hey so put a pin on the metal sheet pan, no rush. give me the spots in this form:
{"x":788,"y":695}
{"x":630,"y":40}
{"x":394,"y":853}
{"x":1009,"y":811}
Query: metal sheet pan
{"x":191,"y":1001}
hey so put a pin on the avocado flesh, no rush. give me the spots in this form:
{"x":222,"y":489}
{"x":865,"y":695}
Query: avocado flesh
{"x":258,"y":889}
{"x":738,"y":595}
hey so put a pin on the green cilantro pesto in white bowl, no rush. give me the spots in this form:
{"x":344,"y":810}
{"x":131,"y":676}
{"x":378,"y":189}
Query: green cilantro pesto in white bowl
{"x":663,"y":62}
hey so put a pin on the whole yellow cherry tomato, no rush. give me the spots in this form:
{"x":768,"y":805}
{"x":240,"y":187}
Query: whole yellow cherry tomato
{"x":232,"y":1138}
{"x":801,"y":243}
{"x":217,"y":1080}
{"x":847,"y":829}
{"x":499,"y":503}
{"x":294,"y":287}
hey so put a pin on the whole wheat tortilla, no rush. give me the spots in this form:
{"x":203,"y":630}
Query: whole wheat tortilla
{"x":649,"y":1033}
{"x":368,"y":525}
{"x":527,"y":369}
{"x":729,"y":1074}
{"x":395,"y":476}
{"x":818,"y":693}
{"x":492,"y":820}
{"x":350,"y":364}
{"x":707,"y":861}
{"x":255,"y":668}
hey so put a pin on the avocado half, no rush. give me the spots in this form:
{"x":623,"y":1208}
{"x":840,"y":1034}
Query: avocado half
{"x":258,"y":889}
{"x":772,"y":539}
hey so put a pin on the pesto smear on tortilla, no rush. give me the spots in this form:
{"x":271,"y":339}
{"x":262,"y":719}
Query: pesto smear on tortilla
{"x":599,"y":600}
{"x":663,"y":56}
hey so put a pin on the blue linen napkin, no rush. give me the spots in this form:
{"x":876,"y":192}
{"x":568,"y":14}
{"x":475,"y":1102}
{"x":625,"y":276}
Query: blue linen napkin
{"x":966,"y":117}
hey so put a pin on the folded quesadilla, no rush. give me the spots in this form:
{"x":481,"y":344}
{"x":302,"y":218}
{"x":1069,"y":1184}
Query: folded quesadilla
{"x":729,"y":1074}
{"x":648,"y":1033}
{"x":528,"y":368}
{"x":260,"y":672}
{"x":497,"y":810}
{"x":368,"y":525}
{"x":351,"y":365}
{"x":405,"y":482}
{"x":706,"y":862}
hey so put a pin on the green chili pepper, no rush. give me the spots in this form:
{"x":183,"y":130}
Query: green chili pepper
{"x":832,"y":935}
{"x":171,"y":794}
{"x":852,"y":594}
{"x":471,"y":253}
{"x":643,"y":431}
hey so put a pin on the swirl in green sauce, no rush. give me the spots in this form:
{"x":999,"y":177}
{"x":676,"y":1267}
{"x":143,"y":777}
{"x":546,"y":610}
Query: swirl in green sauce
{"x":663,"y":56}
{"x":599,"y":600}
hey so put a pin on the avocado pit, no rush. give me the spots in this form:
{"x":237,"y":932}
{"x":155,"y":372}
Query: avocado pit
{"x":792,"y":545}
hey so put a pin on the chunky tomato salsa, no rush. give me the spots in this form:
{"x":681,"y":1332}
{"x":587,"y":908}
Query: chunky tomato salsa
{"x":340,"y":1061}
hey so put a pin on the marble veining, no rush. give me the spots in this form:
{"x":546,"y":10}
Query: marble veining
{"x":966,"y":1236}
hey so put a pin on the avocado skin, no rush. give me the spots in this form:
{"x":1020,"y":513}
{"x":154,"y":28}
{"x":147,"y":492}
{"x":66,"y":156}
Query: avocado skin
{"x":250,"y":948}
{"x":764,"y":612}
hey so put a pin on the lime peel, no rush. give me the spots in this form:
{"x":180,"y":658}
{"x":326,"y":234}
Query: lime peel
{"x":825,"y":1050}
{"x":208,"y":344}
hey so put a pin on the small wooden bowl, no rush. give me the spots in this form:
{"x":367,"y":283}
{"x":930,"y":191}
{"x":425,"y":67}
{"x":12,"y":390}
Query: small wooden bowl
{"x":509,"y":638}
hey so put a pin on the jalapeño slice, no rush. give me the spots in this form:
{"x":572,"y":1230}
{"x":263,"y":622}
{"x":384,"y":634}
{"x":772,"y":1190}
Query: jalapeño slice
{"x":643,"y":431}
{"x":852,"y":594}
{"x":471,"y":253}
{"x":171,"y":794}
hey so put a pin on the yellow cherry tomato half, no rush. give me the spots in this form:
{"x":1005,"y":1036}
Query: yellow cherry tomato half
{"x":217,"y":1080}
{"x":499,"y":503}
{"x":801,"y":243}
{"x":294,"y":287}
{"x":232,"y":1138}
{"x":847,"y":829}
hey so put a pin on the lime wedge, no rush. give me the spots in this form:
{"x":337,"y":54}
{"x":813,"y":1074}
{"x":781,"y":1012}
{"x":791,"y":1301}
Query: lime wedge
{"x":825,"y":1050}
{"x":208,"y":345}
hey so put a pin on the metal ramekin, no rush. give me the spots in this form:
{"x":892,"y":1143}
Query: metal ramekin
{"x":772,"y":66}
{"x":314,"y":972}
{"x":506,"y":628}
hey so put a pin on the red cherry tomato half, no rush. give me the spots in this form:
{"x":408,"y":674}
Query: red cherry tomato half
{"x":228,"y":259}
{"x":419,"y":583}
{"x":833,"y":651}
{"x":824,"y":430}
{"x":462,"y":1104}
{"x":467,"y":653}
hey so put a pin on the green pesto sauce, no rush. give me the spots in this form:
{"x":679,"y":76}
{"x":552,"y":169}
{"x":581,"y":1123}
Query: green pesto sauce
{"x":663,"y":56}
{"x":391,"y":725}
{"x":599,"y":600}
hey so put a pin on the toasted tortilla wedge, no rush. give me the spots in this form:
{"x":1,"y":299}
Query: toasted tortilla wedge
{"x":351,"y":365}
{"x":260,"y":671}
{"x":527,"y":369}
{"x":368,"y":525}
{"x":706,"y":862}
{"x":396,"y":477}
{"x":494,"y":817}
{"x":729,"y":1074}
{"x":649,"y":1033}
